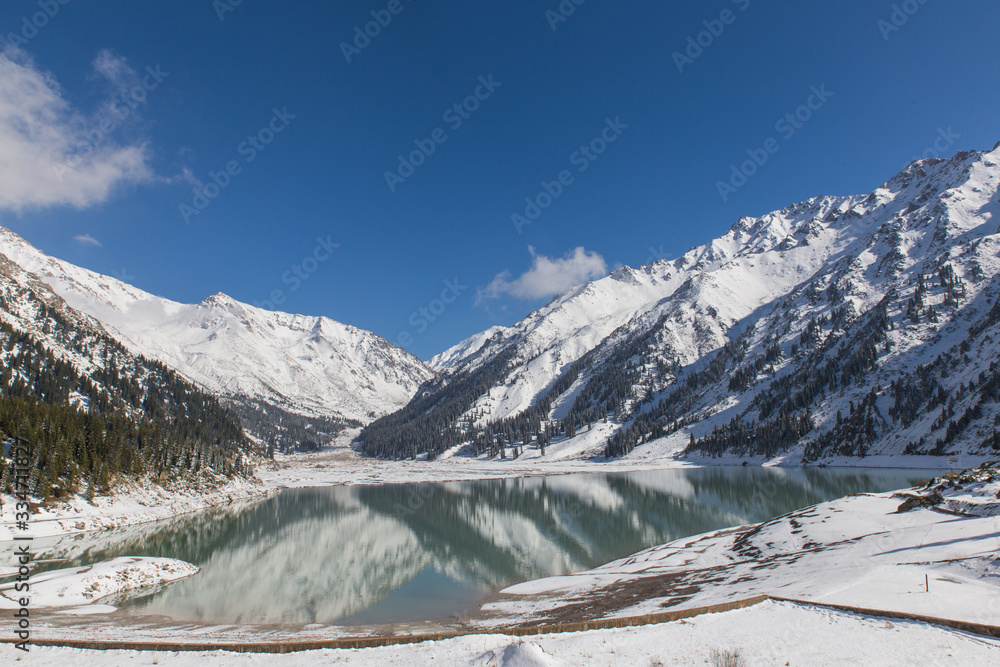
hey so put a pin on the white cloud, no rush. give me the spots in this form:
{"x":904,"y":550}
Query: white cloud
{"x":188,"y":175}
{"x":87,"y":239}
{"x":115,"y":69}
{"x":547,"y":276}
{"x":52,"y":154}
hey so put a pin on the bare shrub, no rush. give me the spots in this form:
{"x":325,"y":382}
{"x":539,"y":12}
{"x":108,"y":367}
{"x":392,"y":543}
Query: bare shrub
{"x":727,"y":658}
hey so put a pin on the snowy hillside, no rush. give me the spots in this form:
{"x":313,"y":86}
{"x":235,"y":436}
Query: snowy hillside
{"x":88,"y":414}
{"x":876,"y":307}
{"x":858,"y":551}
{"x":259,"y":359}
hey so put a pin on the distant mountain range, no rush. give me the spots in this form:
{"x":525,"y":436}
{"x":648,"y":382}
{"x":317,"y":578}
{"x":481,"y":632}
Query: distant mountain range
{"x":290,"y":377}
{"x":838,"y":326}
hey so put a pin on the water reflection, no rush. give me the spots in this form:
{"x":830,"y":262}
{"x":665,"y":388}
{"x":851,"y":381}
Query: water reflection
{"x":372,"y":554}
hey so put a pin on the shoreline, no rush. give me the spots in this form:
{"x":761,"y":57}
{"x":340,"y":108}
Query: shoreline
{"x":852,"y":567}
{"x":341,"y":465}
{"x":138,"y":503}
{"x":132,"y":504}
{"x":249,"y":643}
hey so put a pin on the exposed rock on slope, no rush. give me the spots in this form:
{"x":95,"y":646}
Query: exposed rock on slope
{"x":839,"y":326}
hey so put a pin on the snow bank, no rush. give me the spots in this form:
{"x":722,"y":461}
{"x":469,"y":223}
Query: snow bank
{"x":519,"y":654}
{"x":110,"y":581}
{"x":771,"y":633}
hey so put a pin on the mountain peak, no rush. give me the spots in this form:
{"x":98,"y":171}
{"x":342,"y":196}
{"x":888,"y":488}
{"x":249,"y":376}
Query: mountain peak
{"x":220,"y":300}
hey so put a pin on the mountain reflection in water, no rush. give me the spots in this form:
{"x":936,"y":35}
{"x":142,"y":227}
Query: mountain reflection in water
{"x":398,"y":552}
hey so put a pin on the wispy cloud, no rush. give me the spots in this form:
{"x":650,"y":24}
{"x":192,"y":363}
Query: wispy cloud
{"x":46,"y":156}
{"x":188,"y":175}
{"x":114,"y":69}
{"x":547,"y":276}
{"x":86,"y":239}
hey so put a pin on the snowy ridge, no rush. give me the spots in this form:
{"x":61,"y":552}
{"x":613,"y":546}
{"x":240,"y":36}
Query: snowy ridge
{"x":457,"y":353}
{"x":705,"y":292}
{"x":306,"y":365}
{"x":839,"y":326}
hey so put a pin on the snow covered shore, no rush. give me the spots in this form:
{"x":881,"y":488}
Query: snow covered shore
{"x":340,"y":464}
{"x":128,"y":506}
{"x":933,"y":551}
{"x":109,"y":581}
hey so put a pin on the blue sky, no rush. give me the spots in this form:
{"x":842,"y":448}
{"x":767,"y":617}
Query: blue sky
{"x":117,"y":114}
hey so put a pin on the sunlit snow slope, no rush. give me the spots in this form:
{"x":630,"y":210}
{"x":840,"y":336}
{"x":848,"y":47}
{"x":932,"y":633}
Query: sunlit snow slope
{"x":306,"y":365}
{"x":880,"y":307}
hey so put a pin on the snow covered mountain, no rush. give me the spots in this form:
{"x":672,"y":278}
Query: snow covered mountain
{"x":271,"y":366}
{"x":851,"y":325}
{"x":462,"y":350}
{"x":90,"y":413}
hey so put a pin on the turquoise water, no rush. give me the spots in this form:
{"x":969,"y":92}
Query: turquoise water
{"x":412,"y":552}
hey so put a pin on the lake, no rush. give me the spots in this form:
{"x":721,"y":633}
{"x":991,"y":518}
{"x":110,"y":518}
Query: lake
{"x":414,"y":552}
